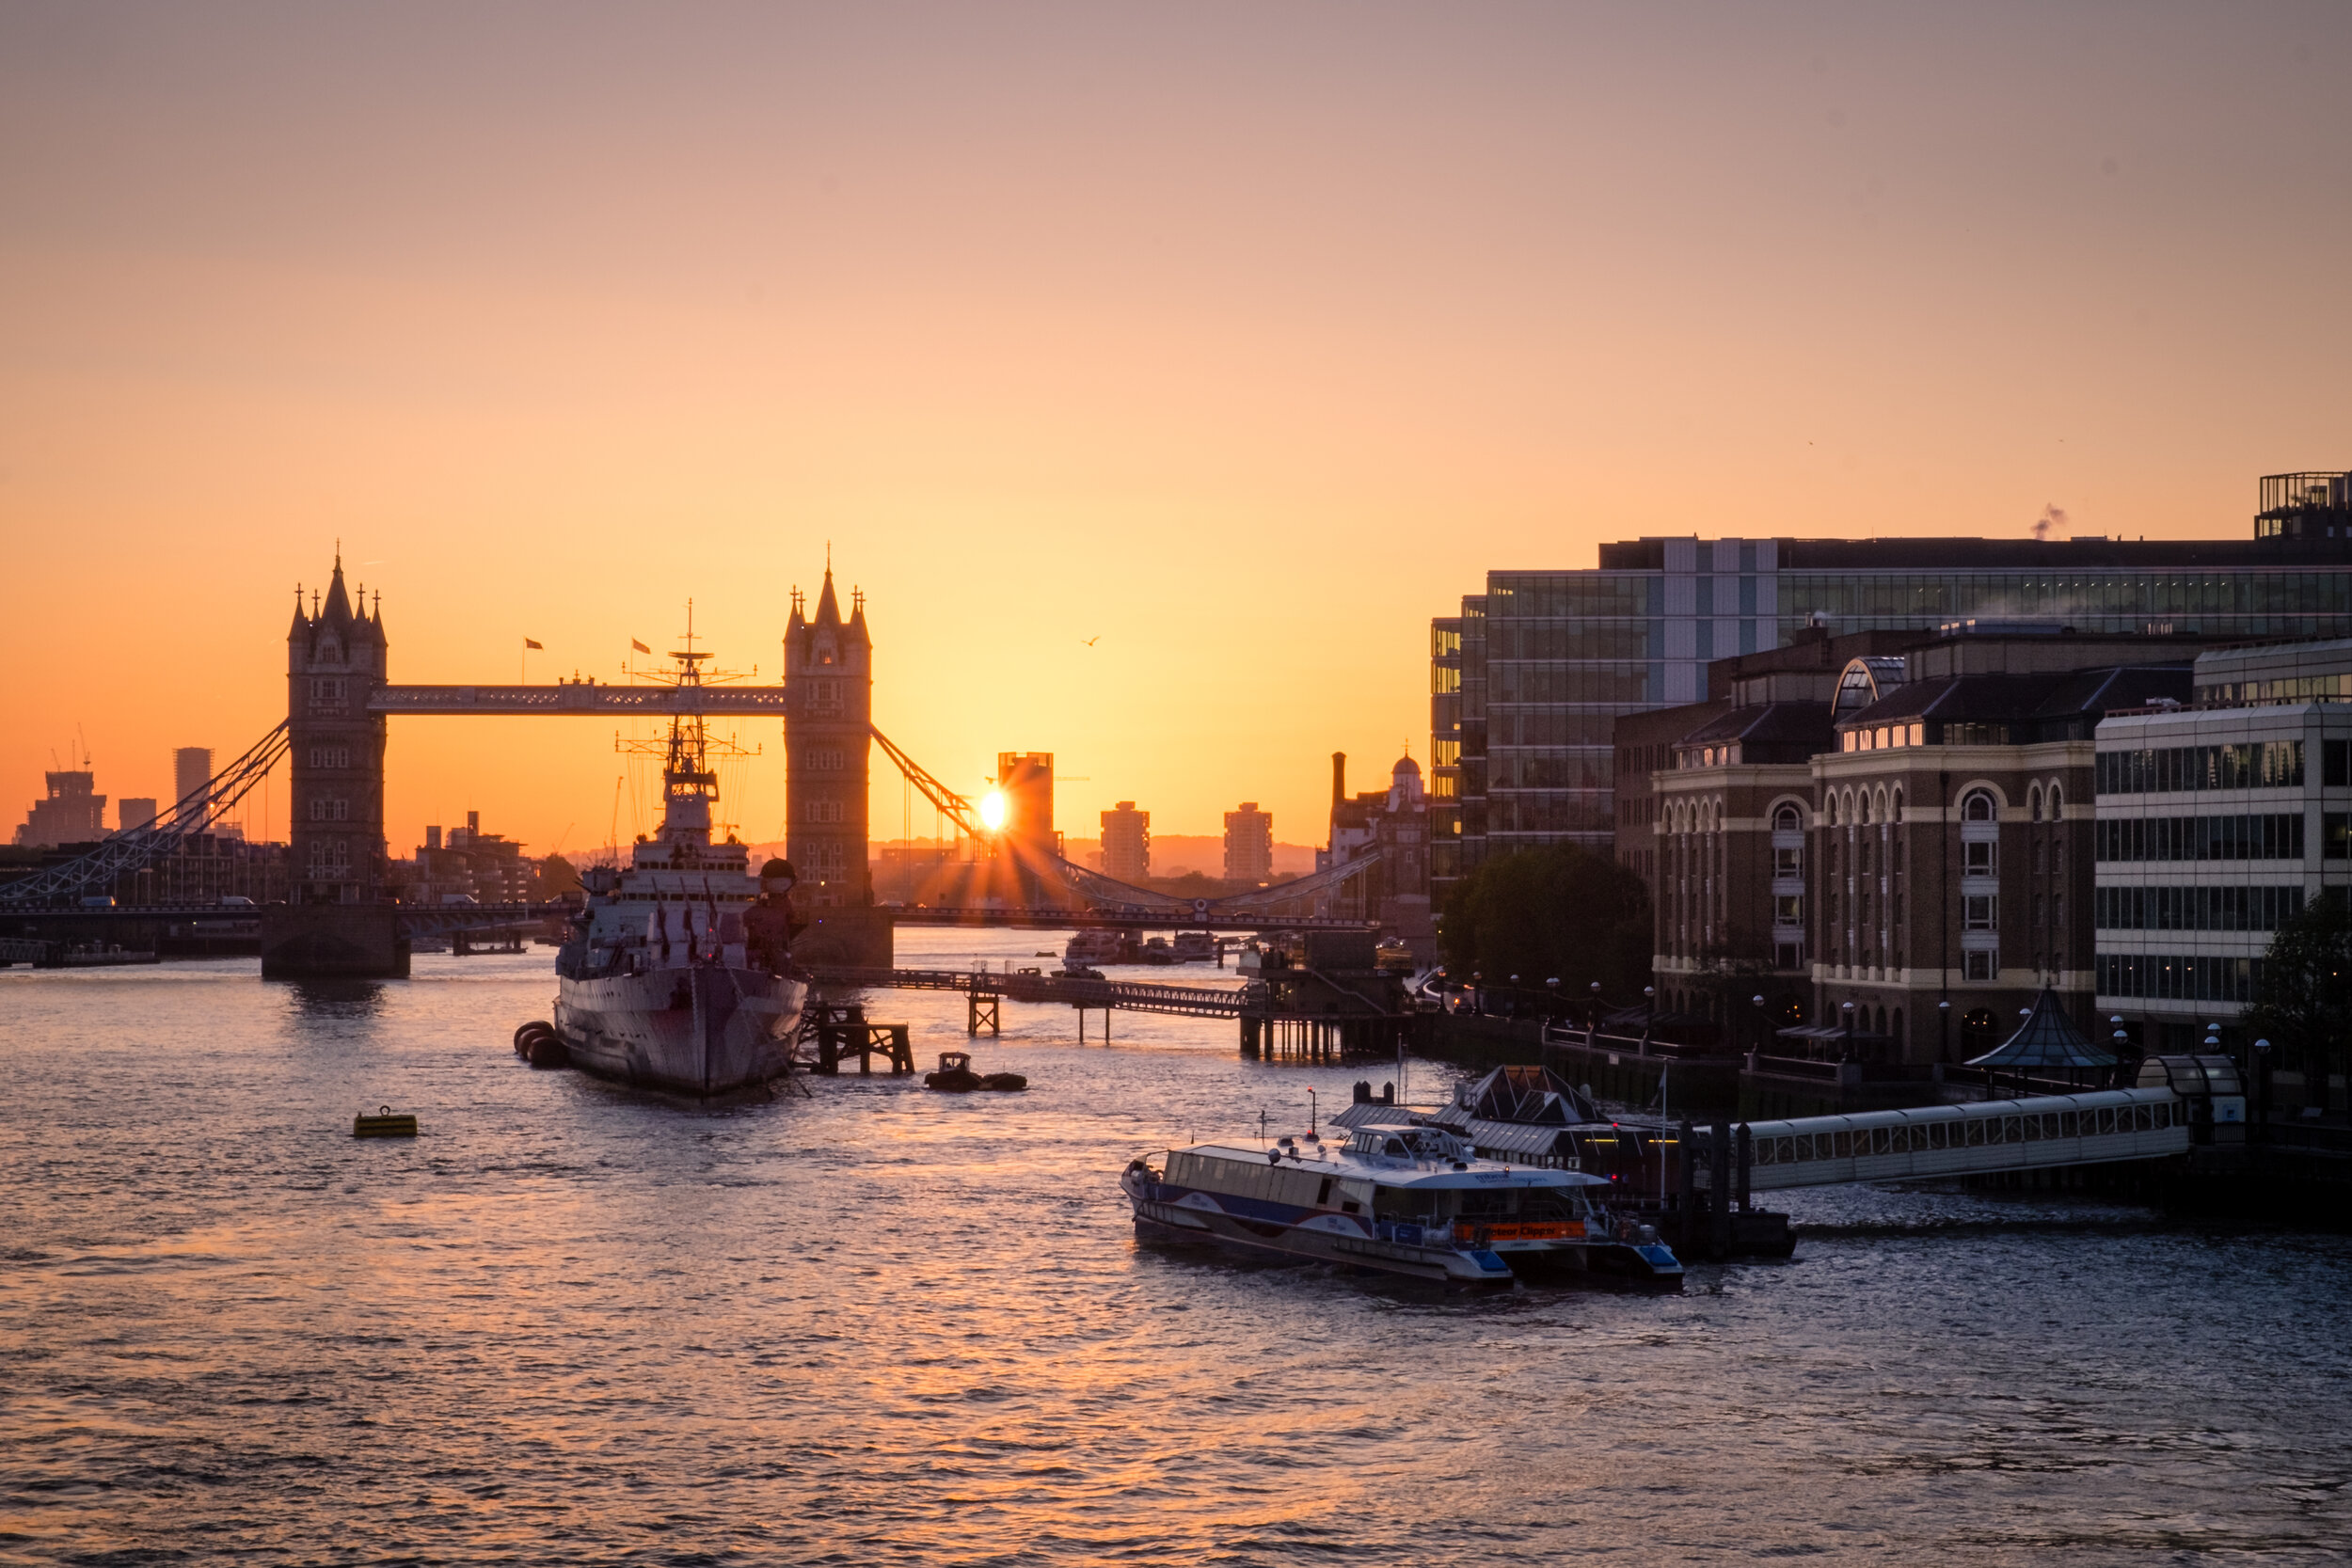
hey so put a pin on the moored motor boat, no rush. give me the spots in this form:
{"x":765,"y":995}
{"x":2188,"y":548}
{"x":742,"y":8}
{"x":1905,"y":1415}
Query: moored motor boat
{"x":1404,"y":1201}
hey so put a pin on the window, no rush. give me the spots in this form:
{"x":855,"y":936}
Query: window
{"x":328,"y":810}
{"x":1980,"y":964}
{"x":825,"y":696}
{"x":1787,"y":862}
{"x":327,"y":693}
{"x":2271,"y":836}
{"x":824,"y":811}
{"x":822,"y":759}
{"x":2336,"y":764}
{"x":330,"y":757}
{"x":1976,"y":860}
{"x":1978,"y":911}
{"x":1979,"y":807}
{"x":1786,"y":820}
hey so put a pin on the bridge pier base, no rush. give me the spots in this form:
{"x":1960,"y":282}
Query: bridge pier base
{"x":333,"y":941}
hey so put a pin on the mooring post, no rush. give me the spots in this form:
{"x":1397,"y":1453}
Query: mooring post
{"x":1747,"y":1166}
{"x":1686,"y":1188}
{"x":1718,"y":1187}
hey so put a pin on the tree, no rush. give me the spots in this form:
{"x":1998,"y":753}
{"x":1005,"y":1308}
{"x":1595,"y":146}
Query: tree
{"x":553,"y":879}
{"x":1557,"y":912}
{"x":2303,"y":1004}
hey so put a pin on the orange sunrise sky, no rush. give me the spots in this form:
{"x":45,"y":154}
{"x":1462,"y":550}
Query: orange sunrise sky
{"x":1246,"y":338}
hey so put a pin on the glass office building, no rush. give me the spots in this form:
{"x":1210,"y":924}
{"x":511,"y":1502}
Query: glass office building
{"x":1528,"y":680}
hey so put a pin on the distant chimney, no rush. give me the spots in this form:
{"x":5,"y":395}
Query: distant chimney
{"x":1338,"y":779}
{"x":473,"y":823}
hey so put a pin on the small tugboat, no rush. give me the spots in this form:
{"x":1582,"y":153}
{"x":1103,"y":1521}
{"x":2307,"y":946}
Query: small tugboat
{"x":1404,"y":1201}
{"x":955,"y":1076}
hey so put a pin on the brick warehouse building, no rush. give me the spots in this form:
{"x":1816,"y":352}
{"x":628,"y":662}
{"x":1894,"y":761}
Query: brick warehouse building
{"x":1908,"y":857}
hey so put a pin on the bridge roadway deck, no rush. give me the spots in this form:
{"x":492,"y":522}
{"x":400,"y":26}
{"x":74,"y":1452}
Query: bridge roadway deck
{"x":1134,"y":996}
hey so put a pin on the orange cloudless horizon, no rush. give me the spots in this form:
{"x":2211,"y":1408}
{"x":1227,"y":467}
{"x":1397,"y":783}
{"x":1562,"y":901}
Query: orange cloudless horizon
{"x":1157,"y":372}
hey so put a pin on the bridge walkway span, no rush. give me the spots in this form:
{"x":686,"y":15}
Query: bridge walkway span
{"x":1933,"y":1141}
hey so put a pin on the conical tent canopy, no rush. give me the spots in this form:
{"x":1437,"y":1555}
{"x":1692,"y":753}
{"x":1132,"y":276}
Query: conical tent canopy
{"x":2047,"y":1039}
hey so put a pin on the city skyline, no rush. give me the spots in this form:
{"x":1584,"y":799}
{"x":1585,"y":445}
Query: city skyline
{"x":1150,"y":372}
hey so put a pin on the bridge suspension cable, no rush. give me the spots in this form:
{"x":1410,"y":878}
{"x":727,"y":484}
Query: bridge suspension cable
{"x":134,"y":849}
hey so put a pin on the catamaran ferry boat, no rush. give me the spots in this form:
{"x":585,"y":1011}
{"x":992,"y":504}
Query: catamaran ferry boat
{"x":1407,"y":1201}
{"x":677,"y":975}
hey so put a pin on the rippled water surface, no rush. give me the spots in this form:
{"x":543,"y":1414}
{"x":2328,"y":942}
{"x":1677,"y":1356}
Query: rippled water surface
{"x":574,"y":1325}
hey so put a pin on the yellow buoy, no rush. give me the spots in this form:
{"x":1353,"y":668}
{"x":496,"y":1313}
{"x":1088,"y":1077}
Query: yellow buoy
{"x":383,"y":1125}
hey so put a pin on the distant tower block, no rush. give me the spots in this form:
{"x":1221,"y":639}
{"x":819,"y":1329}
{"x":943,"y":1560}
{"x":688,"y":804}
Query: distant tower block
{"x":1026,"y":779}
{"x":829,"y":703}
{"x":1249,"y":845}
{"x":137,"y":810}
{"x":191,"y":770}
{"x":1126,"y":843}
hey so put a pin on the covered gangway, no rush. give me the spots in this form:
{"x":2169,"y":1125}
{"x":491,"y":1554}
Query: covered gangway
{"x":1932,"y":1141}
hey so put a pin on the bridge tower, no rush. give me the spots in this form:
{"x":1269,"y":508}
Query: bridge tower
{"x":335,"y":659}
{"x":829,"y":690}
{"x":336,"y":924}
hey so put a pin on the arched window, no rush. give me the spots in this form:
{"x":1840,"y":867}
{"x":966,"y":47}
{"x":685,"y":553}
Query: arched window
{"x":1786,"y":820}
{"x":2033,"y":803}
{"x":1979,"y":807}
{"x":1897,"y":807}
{"x":1879,"y":803}
{"x":2056,"y":800}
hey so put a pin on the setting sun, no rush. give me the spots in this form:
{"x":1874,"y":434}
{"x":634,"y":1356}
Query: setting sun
{"x":994,"y":809}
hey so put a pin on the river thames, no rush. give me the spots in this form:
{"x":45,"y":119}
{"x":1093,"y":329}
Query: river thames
{"x":571,"y":1323}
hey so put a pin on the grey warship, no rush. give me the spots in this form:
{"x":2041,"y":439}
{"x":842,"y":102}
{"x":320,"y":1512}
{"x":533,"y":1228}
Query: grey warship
{"x":678,"y":976}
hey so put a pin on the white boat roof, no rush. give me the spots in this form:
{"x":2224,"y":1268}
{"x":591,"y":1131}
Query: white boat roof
{"x":1344,"y":1163}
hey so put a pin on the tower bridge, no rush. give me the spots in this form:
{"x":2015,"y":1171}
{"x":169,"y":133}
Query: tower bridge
{"x":341,"y":697}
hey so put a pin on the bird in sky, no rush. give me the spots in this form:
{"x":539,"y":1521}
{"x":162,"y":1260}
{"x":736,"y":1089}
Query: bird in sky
{"x":1093,"y":641}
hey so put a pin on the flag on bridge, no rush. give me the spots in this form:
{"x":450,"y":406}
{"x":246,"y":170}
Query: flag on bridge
{"x":528,"y":644}
{"x":638,"y":647}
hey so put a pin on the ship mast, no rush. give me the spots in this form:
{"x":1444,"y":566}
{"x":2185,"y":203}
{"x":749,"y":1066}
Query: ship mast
{"x":688,"y":785}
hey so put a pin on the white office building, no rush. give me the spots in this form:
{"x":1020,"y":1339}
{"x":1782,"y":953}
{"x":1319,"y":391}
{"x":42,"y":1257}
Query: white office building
{"x":2215,"y":822}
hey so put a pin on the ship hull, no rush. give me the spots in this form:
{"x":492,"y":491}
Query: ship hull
{"x":700,"y":1030}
